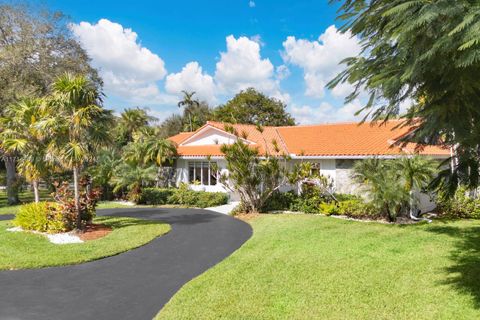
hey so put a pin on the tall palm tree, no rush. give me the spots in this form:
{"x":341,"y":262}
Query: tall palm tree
{"x":23,"y":136}
{"x":417,"y":172}
{"x":80,"y":123}
{"x":189,"y":103}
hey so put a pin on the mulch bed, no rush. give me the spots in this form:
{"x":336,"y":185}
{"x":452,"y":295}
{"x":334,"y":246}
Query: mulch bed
{"x":94,"y":231}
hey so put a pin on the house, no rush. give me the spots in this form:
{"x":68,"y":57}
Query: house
{"x":332,"y":148}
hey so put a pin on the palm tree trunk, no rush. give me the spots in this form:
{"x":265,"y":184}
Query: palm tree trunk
{"x":35,"y":191}
{"x":12,"y":182}
{"x":77,"y":197}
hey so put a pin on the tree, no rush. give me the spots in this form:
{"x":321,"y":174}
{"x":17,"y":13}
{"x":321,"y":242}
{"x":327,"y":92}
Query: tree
{"x":253,"y":107}
{"x":35,"y":48}
{"x":131,"y":121}
{"x":22,"y":136}
{"x":103,"y":171}
{"x":254,"y":176}
{"x":417,"y":172}
{"x":160,"y":151}
{"x":383,"y":185}
{"x":189,"y":103}
{"x":80,"y":126}
{"x":427,"y":51}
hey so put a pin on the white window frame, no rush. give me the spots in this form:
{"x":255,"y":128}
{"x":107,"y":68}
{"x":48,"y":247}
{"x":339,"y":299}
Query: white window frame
{"x":199,"y":165}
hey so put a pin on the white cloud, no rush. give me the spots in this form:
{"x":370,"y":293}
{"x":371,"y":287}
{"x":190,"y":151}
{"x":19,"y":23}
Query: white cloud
{"x":242,"y":66}
{"x":251,"y":4}
{"x":320,"y":58}
{"x":282,"y":72}
{"x":127,"y":68}
{"x":192,"y":78}
{"x":326,"y":113}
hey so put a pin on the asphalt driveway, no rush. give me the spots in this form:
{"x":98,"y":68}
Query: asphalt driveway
{"x":133,"y":285}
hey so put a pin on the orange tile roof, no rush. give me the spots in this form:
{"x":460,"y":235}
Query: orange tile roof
{"x":341,"y":139}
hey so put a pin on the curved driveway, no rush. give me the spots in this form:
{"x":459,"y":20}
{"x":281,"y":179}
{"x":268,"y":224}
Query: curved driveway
{"x":132,"y":285}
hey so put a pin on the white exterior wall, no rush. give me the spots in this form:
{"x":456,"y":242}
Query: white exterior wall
{"x":212,"y":137}
{"x":182,"y":175}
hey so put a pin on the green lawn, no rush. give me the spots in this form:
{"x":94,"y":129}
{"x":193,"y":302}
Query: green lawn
{"x":313,"y":267}
{"x":20,"y":250}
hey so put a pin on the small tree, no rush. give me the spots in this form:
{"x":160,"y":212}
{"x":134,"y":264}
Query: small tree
{"x":417,"y":172}
{"x":253,"y":175}
{"x":383,"y":184}
{"x":79,"y":124}
{"x":23,"y":136}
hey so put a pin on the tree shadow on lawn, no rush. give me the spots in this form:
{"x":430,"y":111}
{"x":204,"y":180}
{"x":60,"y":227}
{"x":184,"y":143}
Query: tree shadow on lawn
{"x":464,"y":274}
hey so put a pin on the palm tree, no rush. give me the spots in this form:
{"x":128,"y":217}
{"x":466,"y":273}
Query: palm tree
{"x":159,"y":151}
{"x":417,"y":172}
{"x":103,"y":170}
{"x":80,"y":123}
{"x":131,"y":121}
{"x":382,"y":182}
{"x":133,"y":178}
{"x":23,"y":136}
{"x":189,"y":103}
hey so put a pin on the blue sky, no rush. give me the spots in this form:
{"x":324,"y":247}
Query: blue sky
{"x":148,"y":51}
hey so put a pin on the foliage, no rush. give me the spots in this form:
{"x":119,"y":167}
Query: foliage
{"x":406,"y":59}
{"x":357,"y":208}
{"x":155,"y":196}
{"x":201,"y":199}
{"x":133,"y":178}
{"x":461,"y":205}
{"x":103,"y":170}
{"x":383,"y":184}
{"x":195,"y":113}
{"x":40,"y":216}
{"x":22,"y":135}
{"x":254,"y":176}
{"x":130,"y":122}
{"x":79,"y":125}
{"x":36,"y":46}
{"x":66,"y":205}
{"x":253,"y":107}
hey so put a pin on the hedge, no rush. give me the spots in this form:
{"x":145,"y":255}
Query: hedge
{"x":182,"y":196}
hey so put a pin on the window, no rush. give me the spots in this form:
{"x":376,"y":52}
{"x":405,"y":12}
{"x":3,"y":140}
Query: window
{"x":202,"y":172}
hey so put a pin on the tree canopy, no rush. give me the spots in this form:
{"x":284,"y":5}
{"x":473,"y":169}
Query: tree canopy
{"x":253,"y":107}
{"x":426,"y":51}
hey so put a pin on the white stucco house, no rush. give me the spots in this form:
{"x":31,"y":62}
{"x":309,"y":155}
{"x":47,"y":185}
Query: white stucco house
{"x":333,"y":148}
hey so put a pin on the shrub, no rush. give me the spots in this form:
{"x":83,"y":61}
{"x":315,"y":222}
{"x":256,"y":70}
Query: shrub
{"x":66,"y":204}
{"x":356,"y":208}
{"x":41,"y":216}
{"x":460,"y":205}
{"x":281,"y":201}
{"x":329,"y":208}
{"x":182,"y":196}
{"x":155,"y":196}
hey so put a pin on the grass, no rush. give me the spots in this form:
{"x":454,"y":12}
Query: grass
{"x":25,"y":197}
{"x":21,"y":250}
{"x":313,"y":267}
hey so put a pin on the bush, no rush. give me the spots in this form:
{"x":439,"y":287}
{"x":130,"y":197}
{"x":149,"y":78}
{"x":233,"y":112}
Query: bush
{"x":41,"y":216}
{"x":329,"y":208}
{"x":182,"y":196}
{"x":460,"y":205}
{"x":155,"y":196}
{"x":356,"y":208}
{"x":281,"y":201}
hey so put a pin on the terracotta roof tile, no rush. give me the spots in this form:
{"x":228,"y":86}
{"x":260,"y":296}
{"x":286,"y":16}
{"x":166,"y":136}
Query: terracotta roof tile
{"x":341,"y":139}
